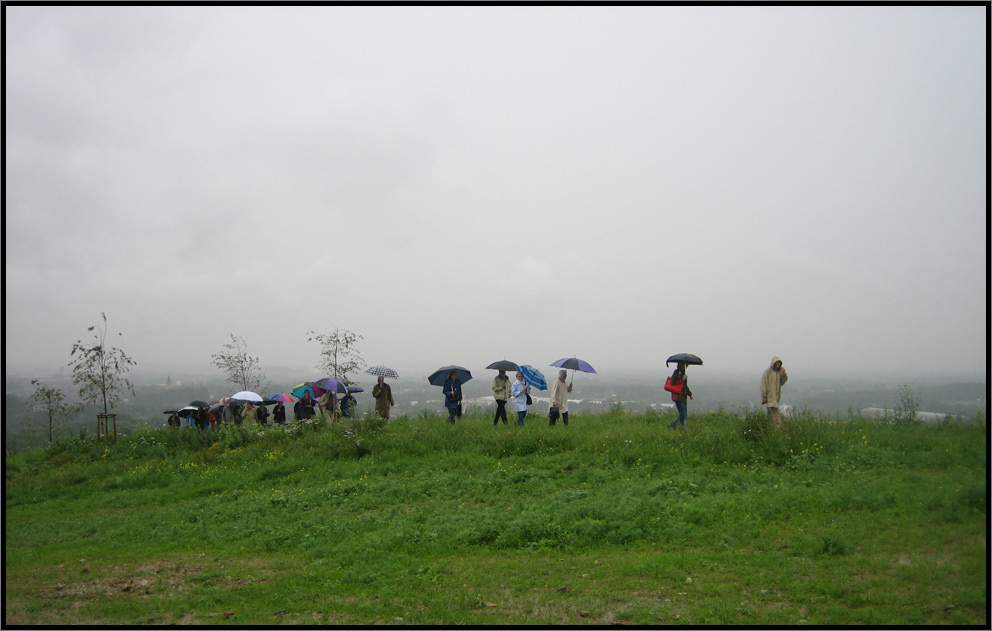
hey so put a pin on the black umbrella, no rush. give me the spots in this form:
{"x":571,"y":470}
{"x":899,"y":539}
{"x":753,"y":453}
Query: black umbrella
{"x":199,"y":404}
{"x":503,"y":364}
{"x":441,"y":375}
{"x":685,"y":358}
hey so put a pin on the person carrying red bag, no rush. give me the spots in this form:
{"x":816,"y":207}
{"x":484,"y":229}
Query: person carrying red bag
{"x":678,"y":385}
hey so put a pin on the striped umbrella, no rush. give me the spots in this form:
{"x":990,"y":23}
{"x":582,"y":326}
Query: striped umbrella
{"x":533,"y":377}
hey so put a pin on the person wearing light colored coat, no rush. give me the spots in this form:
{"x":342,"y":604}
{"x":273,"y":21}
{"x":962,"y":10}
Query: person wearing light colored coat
{"x":559,"y":399}
{"x":519,"y":392}
{"x":772,"y":381}
{"x":249,"y":418}
{"x":501,"y":392}
{"x":328,"y":405}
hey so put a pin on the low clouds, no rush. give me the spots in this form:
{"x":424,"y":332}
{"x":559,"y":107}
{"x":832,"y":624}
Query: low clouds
{"x":463,"y":184}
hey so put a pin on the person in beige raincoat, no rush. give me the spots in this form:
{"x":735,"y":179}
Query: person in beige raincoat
{"x":249,"y":418}
{"x":772,"y":381}
{"x":559,"y":399}
{"x":501,"y":392}
{"x":328,"y":404}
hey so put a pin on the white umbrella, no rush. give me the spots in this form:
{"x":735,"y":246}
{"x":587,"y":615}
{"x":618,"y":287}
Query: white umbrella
{"x":247,"y":395}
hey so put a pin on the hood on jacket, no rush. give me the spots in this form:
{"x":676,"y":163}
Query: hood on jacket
{"x":774,"y":359}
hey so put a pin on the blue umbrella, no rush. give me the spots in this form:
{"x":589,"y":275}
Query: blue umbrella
{"x":353,"y":389}
{"x":533,"y":377}
{"x":306,"y":387}
{"x":441,"y":375}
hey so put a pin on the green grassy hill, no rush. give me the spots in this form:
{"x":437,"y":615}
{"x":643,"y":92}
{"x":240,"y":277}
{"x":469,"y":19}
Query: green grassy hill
{"x":614,"y":519}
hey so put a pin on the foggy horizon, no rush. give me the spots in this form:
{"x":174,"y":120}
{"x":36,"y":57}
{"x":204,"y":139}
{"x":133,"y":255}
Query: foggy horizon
{"x":460,"y":185}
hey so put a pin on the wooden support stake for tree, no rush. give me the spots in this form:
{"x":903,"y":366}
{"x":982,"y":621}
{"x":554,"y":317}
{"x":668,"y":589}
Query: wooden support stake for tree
{"x":102,"y":428}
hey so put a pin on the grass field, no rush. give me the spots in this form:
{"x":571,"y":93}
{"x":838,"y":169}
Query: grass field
{"x":615,"y":519}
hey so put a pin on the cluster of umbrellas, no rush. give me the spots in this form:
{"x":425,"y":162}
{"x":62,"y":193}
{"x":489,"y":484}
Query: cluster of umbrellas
{"x":532,"y":377}
{"x":316,"y":388}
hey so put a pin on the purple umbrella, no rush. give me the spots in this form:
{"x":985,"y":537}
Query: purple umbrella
{"x":574,"y":363}
{"x":332,"y":384}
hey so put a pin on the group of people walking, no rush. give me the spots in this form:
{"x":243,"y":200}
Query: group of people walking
{"x":517,"y":390}
{"x":504,"y":390}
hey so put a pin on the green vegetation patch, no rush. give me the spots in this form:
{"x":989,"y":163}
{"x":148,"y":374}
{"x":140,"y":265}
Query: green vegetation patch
{"x":614,"y":519}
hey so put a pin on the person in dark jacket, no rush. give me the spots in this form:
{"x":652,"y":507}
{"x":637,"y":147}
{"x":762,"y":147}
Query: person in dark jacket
{"x":279,"y":414}
{"x":348,"y":405}
{"x":202,"y":421}
{"x":306,"y":406}
{"x":453,"y":397}
{"x":680,"y":399}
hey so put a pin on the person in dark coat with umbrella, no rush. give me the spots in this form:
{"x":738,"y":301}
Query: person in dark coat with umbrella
{"x":383,"y":396}
{"x":678,"y":377}
{"x":453,"y":396}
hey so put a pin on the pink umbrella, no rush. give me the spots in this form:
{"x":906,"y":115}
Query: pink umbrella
{"x":281,"y":396}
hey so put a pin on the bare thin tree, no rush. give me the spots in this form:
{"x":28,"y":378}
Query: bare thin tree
{"x":240,"y":369}
{"x":51,"y":403}
{"x":99,"y":372}
{"x":338,"y":355}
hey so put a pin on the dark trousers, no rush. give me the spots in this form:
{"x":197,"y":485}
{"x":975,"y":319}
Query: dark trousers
{"x":500,"y":412}
{"x":454,"y":413}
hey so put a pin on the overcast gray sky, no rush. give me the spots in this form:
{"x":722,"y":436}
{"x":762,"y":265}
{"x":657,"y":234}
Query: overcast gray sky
{"x":460,"y":185}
